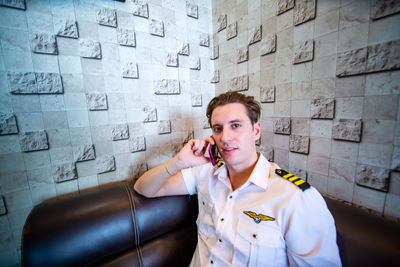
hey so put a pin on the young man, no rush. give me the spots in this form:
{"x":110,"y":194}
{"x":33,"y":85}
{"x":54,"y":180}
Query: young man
{"x":248,"y":214}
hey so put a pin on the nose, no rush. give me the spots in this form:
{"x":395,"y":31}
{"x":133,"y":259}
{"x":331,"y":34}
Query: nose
{"x":226,"y":135}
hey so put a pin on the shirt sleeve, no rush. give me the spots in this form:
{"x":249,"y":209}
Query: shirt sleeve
{"x":311,"y":232}
{"x":189,"y":181}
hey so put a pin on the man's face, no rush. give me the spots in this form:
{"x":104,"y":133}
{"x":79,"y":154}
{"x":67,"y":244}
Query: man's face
{"x":235,"y":135}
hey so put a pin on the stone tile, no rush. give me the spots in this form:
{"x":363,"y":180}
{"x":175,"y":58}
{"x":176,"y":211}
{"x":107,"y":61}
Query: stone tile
{"x":267,"y":94}
{"x":192,"y":10}
{"x":214,"y":52}
{"x":268,"y":45}
{"x":344,"y":170}
{"x":284,"y":5}
{"x":194,"y":63}
{"x":107,"y":17}
{"x":255,"y":35}
{"x":97,"y":101}
{"x":204,"y":39}
{"x":126,"y":37}
{"x":379,"y":131}
{"x":196,"y":100}
{"x":13,"y":181}
{"x":351,"y":86}
{"x":105,"y":164}
{"x":394,"y":187}
{"x":150,"y":114}
{"x":90,"y":49}
{"x":304,"y":10}
{"x":49,"y":83}
{"x":156,"y":28}
{"x":120,"y":132}
{"x":383,"y":8}
{"x":166,"y":87}
{"x":65,"y":172}
{"x":373,"y":177}
{"x":324,"y":68}
{"x":383,"y":56}
{"x":22,"y":83}
{"x":239,"y":83}
{"x":183,"y":49}
{"x":375,"y":155}
{"x":267,"y":151}
{"x":379,"y":32}
{"x":344,"y":151}
{"x":369,"y":198}
{"x":282,"y":126}
{"x":391,"y":209}
{"x":385,"y":83}
{"x":221,"y":22}
{"x":304,"y":52}
{"x":396,"y":158}
{"x":44,"y":43}
{"x":299,"y":144}
{"x":140,"y":10}
{"x":327,"y":23}
{"x":242,"y":54}
{"x":66,"y":28}
{"x":231,"y":31}
{"x":33,"y":141}
{"x":347,"y":129}
{"x":318,"y":165}
{"x":137,"y":144}
{"x":318,"y":181}
{"x":215,"y":77}
{"x":164,"y":127}
{"x":130,"y":70}
{"x":281,"y":157}
{"x":351,"y":62}
{"x":19,"y":4}
{"x":340,"y":188}
{"x":322,"y":108}
{"x":380,"y":107}
{"x":8,"y":124}
{"x":353,"y":14}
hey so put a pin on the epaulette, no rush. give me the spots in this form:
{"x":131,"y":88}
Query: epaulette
{"x":219,"y":163}
{"x":303,"y":185}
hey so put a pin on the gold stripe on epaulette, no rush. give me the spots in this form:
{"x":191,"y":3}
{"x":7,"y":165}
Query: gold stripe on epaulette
{"x":302,"y":184}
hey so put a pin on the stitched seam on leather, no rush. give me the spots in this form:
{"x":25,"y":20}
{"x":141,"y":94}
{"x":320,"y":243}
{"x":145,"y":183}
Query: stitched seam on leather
{"x":135,"y":224}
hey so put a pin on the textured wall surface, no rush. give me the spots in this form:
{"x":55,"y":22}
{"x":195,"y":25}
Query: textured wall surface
{"x":98,"y":91}
{"x":94,"y":92}
{"x":327,"y":75}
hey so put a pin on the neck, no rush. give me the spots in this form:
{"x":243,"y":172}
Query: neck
{"x":238,"y":175}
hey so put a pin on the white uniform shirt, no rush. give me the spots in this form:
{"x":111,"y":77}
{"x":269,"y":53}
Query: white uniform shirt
{"x":299,"y":229}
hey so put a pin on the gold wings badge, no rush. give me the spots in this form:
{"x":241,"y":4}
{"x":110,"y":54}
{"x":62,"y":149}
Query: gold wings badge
{"x":258,"y":217}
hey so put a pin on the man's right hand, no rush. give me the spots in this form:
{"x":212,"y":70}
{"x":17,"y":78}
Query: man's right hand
{"x":193,"y":153}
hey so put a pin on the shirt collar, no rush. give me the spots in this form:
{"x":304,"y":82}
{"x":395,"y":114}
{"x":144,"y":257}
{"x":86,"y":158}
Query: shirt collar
{"x":259,"y":175}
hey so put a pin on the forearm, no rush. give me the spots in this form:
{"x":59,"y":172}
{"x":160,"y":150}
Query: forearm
{"x":153,"y":180}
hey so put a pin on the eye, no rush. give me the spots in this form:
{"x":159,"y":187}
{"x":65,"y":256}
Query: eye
{"x":216,"y":129}
{"x":236,"y":125}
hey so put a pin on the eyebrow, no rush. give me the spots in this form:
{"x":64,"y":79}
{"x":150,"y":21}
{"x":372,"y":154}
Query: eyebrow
{"x":230,"y":122}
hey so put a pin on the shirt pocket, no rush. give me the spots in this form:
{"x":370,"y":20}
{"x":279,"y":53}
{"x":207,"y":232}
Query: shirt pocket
{"x":259,"y":244}
{"x":205,"y":219}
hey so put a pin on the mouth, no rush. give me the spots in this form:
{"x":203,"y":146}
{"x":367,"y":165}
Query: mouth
{"x":228,"y":150}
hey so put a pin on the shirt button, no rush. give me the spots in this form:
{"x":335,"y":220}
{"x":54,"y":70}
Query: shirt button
{"x":230,"y":197}
{"x":211,"y":261}
{"x":220,"y":240}
{"x":254,"y":236}
{"x":222,"y":219}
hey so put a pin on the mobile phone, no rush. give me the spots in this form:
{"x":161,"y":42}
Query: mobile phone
{"x":213,"y":152}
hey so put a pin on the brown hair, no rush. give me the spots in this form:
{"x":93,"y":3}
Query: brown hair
{"x":253,"y":106}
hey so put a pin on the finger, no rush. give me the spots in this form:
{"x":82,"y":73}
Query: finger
{"x":209,"y":140}
{"x":200,"y":145}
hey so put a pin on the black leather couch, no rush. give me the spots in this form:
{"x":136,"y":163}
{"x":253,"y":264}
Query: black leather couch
{"x":115,"y":226}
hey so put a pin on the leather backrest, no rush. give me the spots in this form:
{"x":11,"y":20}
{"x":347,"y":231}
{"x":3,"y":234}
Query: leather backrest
{"x":90,"y":227}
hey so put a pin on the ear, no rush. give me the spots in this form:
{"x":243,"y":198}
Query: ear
{"x":257,"y":130}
